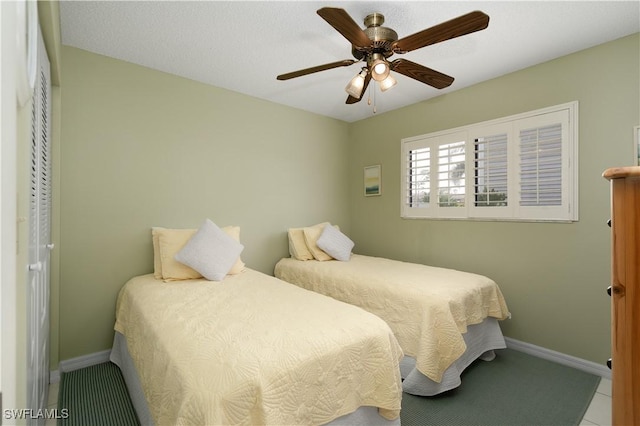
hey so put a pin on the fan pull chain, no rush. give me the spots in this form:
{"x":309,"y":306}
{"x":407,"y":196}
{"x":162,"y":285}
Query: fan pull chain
{"x":372,"y":88}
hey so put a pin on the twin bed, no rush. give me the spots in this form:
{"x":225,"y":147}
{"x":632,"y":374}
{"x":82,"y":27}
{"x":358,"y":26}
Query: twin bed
{"x":253,"y":350}
{"x":443,"y":319}
{"x":256,"y":349}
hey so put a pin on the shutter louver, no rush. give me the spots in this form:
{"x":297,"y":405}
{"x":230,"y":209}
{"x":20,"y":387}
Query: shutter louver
{"x":417,"y":178}
{"x":45,"y":163}
{"x":491,"y":165}
{"x":451,"y":174}
{"x":33,"y":186}
{"x":541,"y":166}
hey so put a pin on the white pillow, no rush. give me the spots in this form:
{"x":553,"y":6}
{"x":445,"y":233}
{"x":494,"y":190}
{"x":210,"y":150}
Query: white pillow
{"x":210,"y":251}
{"x":335,"y":243}
{"x":166,"y":268}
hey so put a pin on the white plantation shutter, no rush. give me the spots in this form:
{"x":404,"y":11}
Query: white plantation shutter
{"x":522,"y":167}
{"x":434,"y":173}
{"x":541,"y":166}
{"x":417,"y":177}
{"x":451,"y":174}
{"x":490,"y":171}
{"x":547,"y":166}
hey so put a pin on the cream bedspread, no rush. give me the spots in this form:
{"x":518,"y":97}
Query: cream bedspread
{"x":427,"y":308}
{"x":255,"y":350}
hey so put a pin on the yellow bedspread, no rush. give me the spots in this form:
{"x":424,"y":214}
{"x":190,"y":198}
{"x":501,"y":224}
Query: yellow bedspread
{"x":255,"y":350}
{"x":427,"y":308}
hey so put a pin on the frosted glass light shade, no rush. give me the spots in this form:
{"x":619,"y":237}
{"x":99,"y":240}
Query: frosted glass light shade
{"x":355,"y":86}
{"x":380,"y":70}
{"x":387,"y":83}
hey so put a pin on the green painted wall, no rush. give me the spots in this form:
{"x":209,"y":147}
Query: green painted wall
{"x":141,"y":148}
{"x":553,"y":275}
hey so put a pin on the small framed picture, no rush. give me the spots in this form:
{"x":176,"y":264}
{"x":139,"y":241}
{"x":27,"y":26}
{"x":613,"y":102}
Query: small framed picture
{"x":636,"y":145}
{"x":372,"y":181}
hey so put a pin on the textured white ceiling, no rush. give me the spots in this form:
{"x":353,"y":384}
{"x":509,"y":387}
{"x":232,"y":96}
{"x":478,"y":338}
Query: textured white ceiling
{"x":243,"y":45}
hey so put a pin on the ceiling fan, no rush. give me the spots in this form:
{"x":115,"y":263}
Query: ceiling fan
{"x":375,"y":44}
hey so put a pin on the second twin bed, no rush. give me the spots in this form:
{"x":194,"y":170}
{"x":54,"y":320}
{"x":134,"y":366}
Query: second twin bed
{"x":443,"y":319}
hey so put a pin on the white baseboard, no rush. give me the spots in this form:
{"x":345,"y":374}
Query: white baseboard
{"x":564,"y":359}
{"x":539,"y":351}
{"x":78,"y":363}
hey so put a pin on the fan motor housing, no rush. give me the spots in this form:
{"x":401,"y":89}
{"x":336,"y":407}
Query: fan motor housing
{"x":382,"y":37}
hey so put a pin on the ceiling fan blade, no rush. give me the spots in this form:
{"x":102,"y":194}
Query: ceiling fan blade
{"x":351,"y":99}
{"x":345,"y":25}
{"x":299,"y":73}
{"x":462,"y":25}
{"x":421,"y":73}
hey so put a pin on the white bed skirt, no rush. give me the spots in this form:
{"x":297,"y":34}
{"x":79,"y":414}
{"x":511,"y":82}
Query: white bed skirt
{"x":481,"y":339}
{"x":363,"y":416}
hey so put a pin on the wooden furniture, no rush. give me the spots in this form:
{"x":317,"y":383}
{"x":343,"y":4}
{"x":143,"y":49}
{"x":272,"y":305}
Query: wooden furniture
{"x":625,"y":294}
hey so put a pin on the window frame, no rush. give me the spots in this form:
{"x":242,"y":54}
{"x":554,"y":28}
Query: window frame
{"x":566,"y":114}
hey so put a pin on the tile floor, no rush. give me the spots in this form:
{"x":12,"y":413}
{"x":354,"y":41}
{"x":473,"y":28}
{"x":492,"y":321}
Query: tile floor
{"x":52,"y":402}
{"x":598,"y":413}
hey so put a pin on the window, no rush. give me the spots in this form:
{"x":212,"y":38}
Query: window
{"x":522,"y":167}
{"x":451,"y":174}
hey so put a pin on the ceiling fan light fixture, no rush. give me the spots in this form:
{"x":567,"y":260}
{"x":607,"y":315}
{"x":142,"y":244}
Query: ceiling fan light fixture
{"x":355,"y":86}
{"x":379,"y":69}
{"x":387,"y":83}
{"x":375,"y":44}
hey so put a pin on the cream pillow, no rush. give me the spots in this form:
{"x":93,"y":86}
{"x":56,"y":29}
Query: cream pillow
{"x":297,"y":245}
{"x":311,"y":235}
{"x":157,"y":263}
{"x":156,"y":231}
{"x":170,"y":242}
{"x":234,"y":232}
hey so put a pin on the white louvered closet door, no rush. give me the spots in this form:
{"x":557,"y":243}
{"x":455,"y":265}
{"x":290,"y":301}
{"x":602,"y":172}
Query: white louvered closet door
{"x":39,"y":240}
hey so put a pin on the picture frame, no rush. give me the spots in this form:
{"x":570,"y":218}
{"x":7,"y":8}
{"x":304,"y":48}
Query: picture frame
{"x":636,"y":145}
{"x":372,"y":181}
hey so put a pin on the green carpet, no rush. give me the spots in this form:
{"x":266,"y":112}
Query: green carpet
{"x":96,"y":396}
{"x":514,"y":389}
